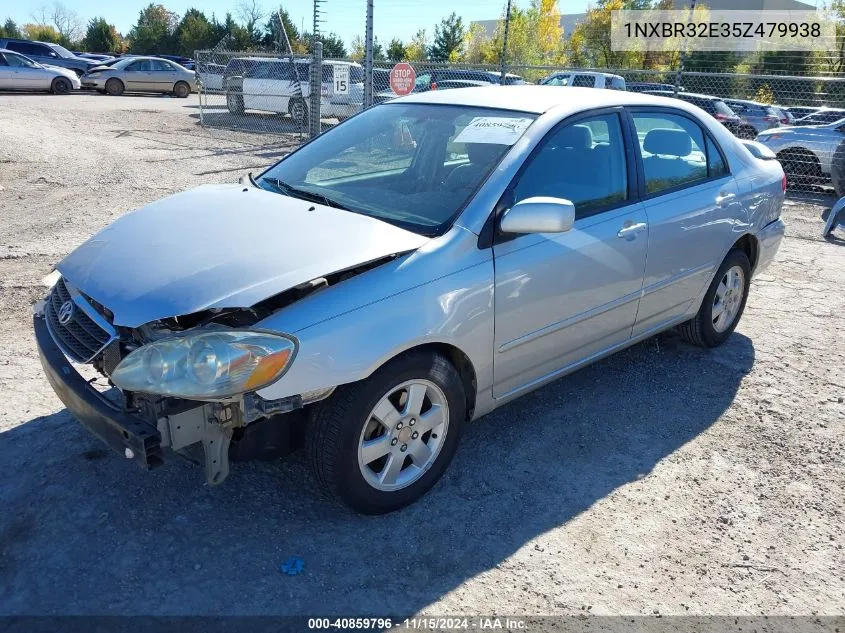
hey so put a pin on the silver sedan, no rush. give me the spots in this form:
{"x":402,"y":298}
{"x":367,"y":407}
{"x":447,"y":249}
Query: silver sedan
{"x":141,"y":74}
{"x":406,"y":272}
{"x":18,"y":72}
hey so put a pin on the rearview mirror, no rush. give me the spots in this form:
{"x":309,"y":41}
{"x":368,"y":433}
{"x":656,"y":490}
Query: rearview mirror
{"x":539,"y":215}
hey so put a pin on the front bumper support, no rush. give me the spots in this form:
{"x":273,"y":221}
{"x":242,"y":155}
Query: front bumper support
{"x":129,"y":435}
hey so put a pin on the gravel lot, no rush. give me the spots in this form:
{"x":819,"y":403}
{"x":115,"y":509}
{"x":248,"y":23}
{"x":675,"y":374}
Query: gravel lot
{"x":666,"y":479}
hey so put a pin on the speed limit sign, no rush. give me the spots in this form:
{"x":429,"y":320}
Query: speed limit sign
{"x":341,"y":79}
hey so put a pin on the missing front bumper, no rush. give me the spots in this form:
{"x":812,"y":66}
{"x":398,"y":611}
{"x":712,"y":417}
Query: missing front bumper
{"x":129,"y":435}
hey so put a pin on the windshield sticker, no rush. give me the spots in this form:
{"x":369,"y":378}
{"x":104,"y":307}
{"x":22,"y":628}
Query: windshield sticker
{"x":498,"y":130}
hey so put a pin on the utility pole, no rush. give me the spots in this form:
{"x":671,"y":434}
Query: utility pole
{"x":316,"y":29}
{"x":683,"y":52}
{"x":368,"y":57}
{"x":505,"y":42}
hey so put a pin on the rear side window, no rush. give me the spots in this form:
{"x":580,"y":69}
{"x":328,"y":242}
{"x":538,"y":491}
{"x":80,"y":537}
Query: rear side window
{"x":716,"y":167}
{"x":27,"y":48}
{"x":673,"y":150}
{"x":584,"y":81}
{"x":722,"y":108}
{"x":583,"y":162}
{"x":558,"y":80}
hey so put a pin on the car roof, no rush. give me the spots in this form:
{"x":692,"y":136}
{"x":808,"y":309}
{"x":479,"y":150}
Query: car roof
{"x":536,"y":99}
{"x":286,"y":60}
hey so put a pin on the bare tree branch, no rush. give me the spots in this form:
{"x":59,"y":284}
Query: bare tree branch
{"x":250,"y":13}
{"x":66,"y":21}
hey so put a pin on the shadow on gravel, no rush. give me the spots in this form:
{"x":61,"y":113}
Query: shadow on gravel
{"x":260,"y":122}
{"x":83,"y":532}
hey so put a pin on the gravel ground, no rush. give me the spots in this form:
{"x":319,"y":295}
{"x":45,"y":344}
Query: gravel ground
{"x":665,"y":479}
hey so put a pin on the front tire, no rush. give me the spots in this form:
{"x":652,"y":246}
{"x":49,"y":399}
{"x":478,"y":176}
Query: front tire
{"x":723,"y":303}
{"x":114,"y":87}
{"x":380,"y":444}
{"x":234,"y":103}
{"x":61,"y":86}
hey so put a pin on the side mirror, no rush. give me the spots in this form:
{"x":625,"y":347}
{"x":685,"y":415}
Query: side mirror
{"x":539,"y":215}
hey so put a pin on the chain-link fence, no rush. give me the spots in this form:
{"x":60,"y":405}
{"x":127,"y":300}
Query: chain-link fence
{"x":797,"y":115}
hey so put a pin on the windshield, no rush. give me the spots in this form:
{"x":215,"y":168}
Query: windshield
{"x":62,"y":51}
{"x":722,"y":108}
{"x":413,"y":165}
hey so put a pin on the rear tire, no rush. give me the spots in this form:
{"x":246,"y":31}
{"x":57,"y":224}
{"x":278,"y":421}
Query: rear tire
{"x":800,"y":166}
{"x":747,"y":132}
{"x":181,"y":89}
{"x":356,"y":437}
{"x":114,"y":87}
{"x":725,"y":297}
{"x":61,"y":86}
{"x":837,"y":170}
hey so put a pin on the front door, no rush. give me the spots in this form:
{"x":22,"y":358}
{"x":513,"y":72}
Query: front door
{"x":563,"y":298}
{"x":137,"y":76}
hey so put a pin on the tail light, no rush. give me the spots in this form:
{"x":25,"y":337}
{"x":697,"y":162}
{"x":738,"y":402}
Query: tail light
{"x":784,"y":121}
{"x":783,"y":184}
{"x":434,"y":85}
{"x":721,"y":117}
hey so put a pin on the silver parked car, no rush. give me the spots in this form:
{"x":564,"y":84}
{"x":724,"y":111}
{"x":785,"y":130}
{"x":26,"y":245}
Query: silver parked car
{"x":142,"y":74}
{"x":404,"y":273}
{"x":18,"y":72}
{"x":806,"y":151}
{"x":760,"y":116}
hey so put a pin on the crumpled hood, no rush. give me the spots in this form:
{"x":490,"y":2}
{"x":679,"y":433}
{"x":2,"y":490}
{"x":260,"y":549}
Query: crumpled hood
{"x":222,"y":246}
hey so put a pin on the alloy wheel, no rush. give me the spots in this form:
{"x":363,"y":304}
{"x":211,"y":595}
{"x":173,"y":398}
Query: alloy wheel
{"x":728,"y":298}
{"x":403,"y":435}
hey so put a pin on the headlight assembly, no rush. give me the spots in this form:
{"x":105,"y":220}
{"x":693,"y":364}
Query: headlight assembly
{"x":206,"y":365}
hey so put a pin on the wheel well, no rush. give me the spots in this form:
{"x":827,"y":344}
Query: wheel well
{"x":461,"y":363}
{"x":797,"y":151}
{"x":748,"y":244}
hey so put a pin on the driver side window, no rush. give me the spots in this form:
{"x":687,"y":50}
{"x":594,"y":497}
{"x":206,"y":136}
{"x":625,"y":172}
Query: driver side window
{"x":583,"y":162}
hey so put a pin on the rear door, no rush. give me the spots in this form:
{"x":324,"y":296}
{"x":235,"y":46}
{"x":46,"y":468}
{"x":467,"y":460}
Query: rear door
{"x":25,"y":74}
{"x":561,"y":298}
{"x":8,"y":79}
{"x":269,"y":86}
{"x":163,"y":75}
{"x":691,"y":201}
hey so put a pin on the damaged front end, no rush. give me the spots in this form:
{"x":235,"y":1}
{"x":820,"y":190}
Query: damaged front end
{"x":186,"y":383}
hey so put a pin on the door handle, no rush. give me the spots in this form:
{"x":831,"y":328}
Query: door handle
{"x":629,"y":231}
{"x":724,"y":198}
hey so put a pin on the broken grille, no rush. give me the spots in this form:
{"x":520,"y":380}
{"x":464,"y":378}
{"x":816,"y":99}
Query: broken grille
{"x":80,"y":337}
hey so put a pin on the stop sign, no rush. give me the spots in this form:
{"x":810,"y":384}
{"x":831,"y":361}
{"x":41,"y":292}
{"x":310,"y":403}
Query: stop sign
{"x":402,"y":78}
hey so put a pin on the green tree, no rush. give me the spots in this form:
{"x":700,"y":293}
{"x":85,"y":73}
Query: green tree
{"x":10,"y":29}
{"x":396,"y":50}
{"x":194,"y":33}
{"x":417,"y":49}
{"x":378,"y":51}
{"x":154,"y":32}
{"x":42,"y":32}
{"x":272,"y":34}
{"x":448,"y":37}
{"x":101,"y":37}
{"x":333,"y":46}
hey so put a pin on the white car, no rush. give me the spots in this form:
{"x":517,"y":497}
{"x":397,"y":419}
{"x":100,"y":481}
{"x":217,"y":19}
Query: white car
{"x":585,"y":79}
{"x":281,"y":85}
{"x":18,"y":72}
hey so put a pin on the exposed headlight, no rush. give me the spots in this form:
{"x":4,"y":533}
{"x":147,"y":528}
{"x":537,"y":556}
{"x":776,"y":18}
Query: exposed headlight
{"x":206,"y":365}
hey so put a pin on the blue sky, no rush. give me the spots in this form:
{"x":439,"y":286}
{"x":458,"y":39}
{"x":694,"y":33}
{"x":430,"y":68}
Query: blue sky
{"x":399,"y":18}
